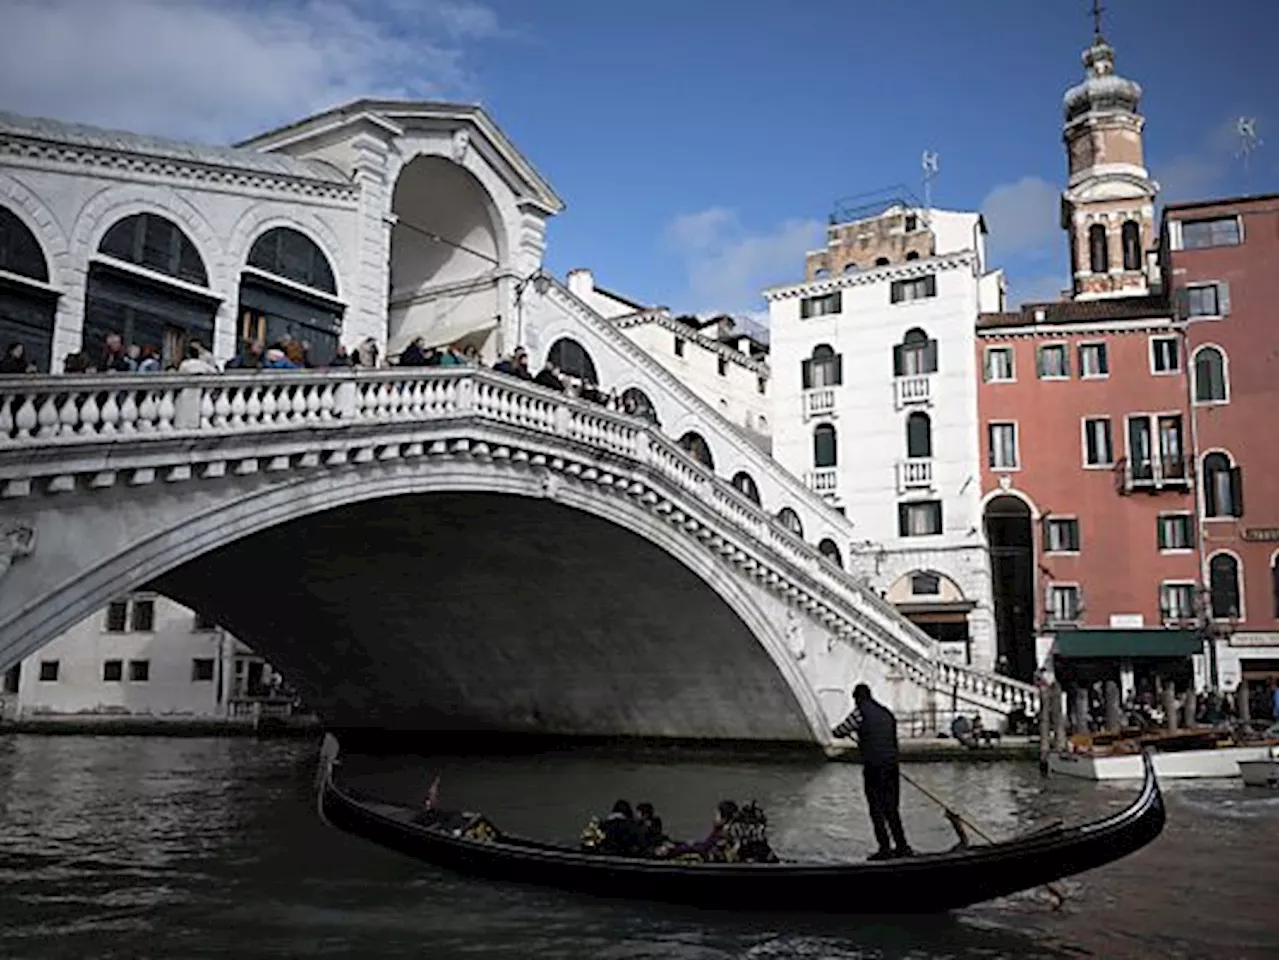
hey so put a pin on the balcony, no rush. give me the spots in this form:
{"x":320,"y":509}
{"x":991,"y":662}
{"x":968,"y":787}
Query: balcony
{"x":911,"y":391}
{"x":915,"y":474}
{"x":822,"y":482}
{"x":1153,"y":475}
{"x":819,"y":402}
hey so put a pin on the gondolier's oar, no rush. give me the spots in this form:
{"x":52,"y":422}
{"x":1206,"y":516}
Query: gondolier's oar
{"x":959,"y":821}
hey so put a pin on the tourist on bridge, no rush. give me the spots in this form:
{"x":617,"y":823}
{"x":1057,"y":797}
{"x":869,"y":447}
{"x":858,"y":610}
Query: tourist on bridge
{"x":877,"y":731}
{"x":550,"y":378}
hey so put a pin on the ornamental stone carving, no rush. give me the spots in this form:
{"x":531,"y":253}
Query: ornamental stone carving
{"x":16,"y":540}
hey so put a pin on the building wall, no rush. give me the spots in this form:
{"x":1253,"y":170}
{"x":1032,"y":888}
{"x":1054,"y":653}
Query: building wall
{"x":169,"y":649}
{"x":869,"y":414}
{"x":1245,"y":425}
{"x":1119,"y":566}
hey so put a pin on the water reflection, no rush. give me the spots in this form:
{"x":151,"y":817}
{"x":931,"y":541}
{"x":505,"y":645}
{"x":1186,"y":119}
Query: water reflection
{"x":116,"y":847}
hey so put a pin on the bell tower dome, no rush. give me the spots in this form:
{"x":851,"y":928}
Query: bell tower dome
{"x":1108,"y":208}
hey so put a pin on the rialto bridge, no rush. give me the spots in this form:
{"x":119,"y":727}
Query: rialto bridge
{"x":430,"y":548}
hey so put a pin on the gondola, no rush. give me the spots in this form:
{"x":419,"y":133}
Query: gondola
{"x":925,"y":883}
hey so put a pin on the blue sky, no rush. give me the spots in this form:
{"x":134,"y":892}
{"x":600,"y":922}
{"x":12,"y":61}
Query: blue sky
{"x":699,"y":145}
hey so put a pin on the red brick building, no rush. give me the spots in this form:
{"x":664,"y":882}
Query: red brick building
{"x":1109,"y":559}
{"x":1219,"y":260}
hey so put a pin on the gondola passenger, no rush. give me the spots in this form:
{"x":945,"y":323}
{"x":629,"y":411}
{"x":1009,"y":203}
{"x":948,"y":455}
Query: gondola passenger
{"x":618,"y":835}
{"x":652,"y":839}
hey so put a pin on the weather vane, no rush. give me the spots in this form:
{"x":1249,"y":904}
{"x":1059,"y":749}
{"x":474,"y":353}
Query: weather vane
{"x":929,"y":164}
{"x":1247,"y":130}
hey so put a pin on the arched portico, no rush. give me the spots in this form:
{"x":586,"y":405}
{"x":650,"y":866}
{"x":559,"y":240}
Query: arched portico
{"x":449,"y":245}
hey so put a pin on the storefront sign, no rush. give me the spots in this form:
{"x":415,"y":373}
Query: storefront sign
{"x":1252,"y":640}
{"x":1262,"y":534}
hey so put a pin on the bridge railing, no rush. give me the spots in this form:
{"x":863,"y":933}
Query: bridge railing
{"x":60,"y":412}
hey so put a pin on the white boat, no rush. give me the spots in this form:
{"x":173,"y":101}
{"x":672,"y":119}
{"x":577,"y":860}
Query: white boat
{"x":1261,"y":773}
{"x":1173,"y":765}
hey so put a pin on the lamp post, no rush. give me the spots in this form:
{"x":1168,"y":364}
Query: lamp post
{"x":541,"y":283}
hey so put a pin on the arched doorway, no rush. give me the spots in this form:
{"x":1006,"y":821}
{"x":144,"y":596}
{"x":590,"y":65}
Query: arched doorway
{"x":637,"y":403}
{"x":696,"y":447}
{"x":791,"y":520}
{"x":27,"y":310}
{"x":827,"y":547}
{"x":446,"y":245}
{"x":146,"y":310}
{"x":1009,"y":538}
{"x":571,"y":358}
{"x":305,"y":308}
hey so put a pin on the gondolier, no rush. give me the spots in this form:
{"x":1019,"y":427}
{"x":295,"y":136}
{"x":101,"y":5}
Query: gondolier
{"x":877,"y":731}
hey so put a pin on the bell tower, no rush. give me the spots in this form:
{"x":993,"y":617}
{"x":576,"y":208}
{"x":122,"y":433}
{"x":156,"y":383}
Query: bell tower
{"x":1108,"y":208}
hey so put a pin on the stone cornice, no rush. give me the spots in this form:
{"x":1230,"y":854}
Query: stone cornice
{"x":663,"y":318}
{"x":909,"y":270}
{"x":1060,"y":331}
{"x":113,"y":162}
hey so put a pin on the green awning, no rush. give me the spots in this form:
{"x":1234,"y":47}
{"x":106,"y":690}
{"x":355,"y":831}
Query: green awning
{"x":1078,"y":644}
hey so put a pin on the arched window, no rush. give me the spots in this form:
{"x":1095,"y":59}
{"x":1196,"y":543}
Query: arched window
{"x":916,"y":355}
{"x":1210,"y":375}
{"x":913,"y":255}
{"x":693,"y":444}
{"x":570,"y":357}
{"x":742,"y":480}
{"x":791,"y":520}
{"x":1224,"y":586}
{"x":824,"y":445}
{"x":637,"y":403}
{"x":824,"y":368}
{"x":820,"y":273}
{"x":850,"y":267}
{"x":272,"y":312}
{"x":151,"y":241}
{"x":882,"y":261}
{"x":919,"y":435}
{"x":147,"y":312}
{"x":1221,"y":482}
{"x":1098,"y":259}
{"x":827,"y":547}
{"x":1131,"y":245}
{"x":1275,"y":586}
{"x":292,"y":255}
{"x":26,"y":311}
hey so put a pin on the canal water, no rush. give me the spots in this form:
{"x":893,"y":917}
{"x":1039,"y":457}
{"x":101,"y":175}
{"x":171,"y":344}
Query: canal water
{"x":147,"y":847}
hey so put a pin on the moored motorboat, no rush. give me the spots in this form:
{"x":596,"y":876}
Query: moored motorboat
{"x":1263,"y":772}
{"x":925,"y":883}
{"x":1222,"y":762}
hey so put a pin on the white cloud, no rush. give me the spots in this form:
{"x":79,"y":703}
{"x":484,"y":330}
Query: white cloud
{"x":218,"y":71}
{"x":1022,"y":216}
{"x":728,"y":265}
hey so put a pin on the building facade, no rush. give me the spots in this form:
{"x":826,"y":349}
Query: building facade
{"x":728,"y":368}
{"x":1220,"y":260}
{"x":873,"y":405}
{"x":144,"y":655}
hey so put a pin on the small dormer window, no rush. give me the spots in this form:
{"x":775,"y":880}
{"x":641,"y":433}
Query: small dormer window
{"x":912,"y":223}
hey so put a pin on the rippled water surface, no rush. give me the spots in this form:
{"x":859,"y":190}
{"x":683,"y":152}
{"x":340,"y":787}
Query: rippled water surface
{"x":124,"y":847}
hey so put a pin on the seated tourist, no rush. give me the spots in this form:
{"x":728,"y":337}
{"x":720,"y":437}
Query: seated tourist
{"x":748,"y":837}
{"x":617,"y":835}
{"x":713,"y":848}
{"x":649,"y":824}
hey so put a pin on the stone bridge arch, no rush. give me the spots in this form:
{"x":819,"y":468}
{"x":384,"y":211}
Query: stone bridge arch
{"x":730,"y":673}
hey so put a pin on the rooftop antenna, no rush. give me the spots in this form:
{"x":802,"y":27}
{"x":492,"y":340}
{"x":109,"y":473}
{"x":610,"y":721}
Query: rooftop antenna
{"x":929,"y":164}
{"x":1247,"y":130}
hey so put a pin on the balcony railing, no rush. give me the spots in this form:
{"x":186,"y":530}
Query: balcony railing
{"x":1152,"y":474}
{"x":908,"y":391}
{"x":822,"y":481}
{"x":915,"y":474}
{"x":819,"y":402}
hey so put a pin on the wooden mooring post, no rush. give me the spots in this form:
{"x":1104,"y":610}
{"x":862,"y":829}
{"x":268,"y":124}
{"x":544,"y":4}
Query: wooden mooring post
{"x":1170,"y":699}
{"x":1111,"y":694}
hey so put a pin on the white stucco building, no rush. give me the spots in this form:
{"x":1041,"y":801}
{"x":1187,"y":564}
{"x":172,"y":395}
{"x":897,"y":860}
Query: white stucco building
{"x":727,"y":367}
{"x":874,"y":407}
{"x":143,"y":655}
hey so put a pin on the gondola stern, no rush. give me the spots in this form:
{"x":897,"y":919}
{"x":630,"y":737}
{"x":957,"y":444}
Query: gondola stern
{"x":328,"y":759}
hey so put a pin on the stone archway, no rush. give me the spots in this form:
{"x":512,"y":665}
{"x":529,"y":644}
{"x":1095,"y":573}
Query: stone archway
{"x":447,"y":245}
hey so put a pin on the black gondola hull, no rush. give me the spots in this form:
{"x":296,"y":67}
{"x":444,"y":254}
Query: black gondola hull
{"x":928,"y":883}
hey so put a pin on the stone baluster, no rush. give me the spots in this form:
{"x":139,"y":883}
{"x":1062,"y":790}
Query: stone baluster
{"x":253,"y":406}
{"x":129,"y":412}
{"x":312,"y":402}
{"x":165,"y":411}
{"x":47,"y":417}
{"x":7,"y":410}
{"x":90,"y":416}
{"x":68,"y":414}
{"x":346,"y":400}
{"x":298,"y":402}
{"x":110,"y":414}
{"x":327,"y":402}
